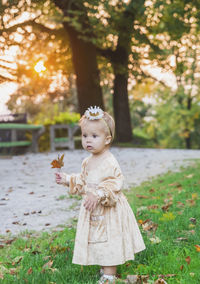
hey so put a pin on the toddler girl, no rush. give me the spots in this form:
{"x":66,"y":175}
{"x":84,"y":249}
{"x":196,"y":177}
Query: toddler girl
{"x":107,"y":231}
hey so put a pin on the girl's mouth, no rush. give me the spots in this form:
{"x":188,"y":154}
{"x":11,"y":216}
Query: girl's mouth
{"x":89,"y":147}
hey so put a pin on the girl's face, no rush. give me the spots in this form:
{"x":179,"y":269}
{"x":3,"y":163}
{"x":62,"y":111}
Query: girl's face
{"x":94,"y":137}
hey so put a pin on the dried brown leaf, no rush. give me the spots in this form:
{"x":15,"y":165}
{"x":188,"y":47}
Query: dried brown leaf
{"x":188,"y":259}
{"x":180,"y":204}
{"x":160,"y":281}
{"x":193,"y":220}
{"x":142,"y":196}
{"x":166,"y":206}
{"x":30,"y":270}
{"x":191,"y":202}
{"x":58,"y":163}
{"x":148,"y":225}
{"x":155,"y":206}
{"x":48,"y":264}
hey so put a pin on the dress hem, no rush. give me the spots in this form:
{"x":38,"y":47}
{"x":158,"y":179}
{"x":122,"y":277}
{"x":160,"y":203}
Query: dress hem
{"x":106,"y":264}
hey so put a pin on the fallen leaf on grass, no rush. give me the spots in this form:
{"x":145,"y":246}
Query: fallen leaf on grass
{"x":155,"y":240}
{"x":192,"y":274}
{"x":30,"y":270}
{"x":181,"y":267}
{"x":193,"y":220}
{"x":48,"y":264}
{"x":160,"y":281}
{"x":148,"y":225}
{"x":194,"y":196}
{"x":13,"y":271}
{"x":141,"y":209}
{"x":177,"y":184}
{"x":197,"y":248}
{"x":191,"y":202}
{"x":1,"y":276}
{"x":58,"y":163}
{"x":17,"y":260}
{"x":191,"y":225}
{"x":155,"y":206}
{"x":181,"y":239}
{"x":166,"y":206}
{"x":180,"y":204}
{"x":46,"y":257}
{"x":142,"y":196}
{"x":8,"y":242}
{"x":35,"y":252}
{"x":190,"y":176}
{"x":3,"y":269}
{"x":137,"y":279}
{"x":169,"y":216}
{"x":188,"y":259}
{"x":53,"y":269}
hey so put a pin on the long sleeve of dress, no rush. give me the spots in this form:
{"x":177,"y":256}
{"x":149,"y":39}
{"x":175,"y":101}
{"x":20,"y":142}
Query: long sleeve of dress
{"x":77,"y":182}
{"x":109,"y":188}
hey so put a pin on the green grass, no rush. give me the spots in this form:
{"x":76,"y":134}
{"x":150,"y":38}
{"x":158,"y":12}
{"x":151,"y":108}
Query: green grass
{"x":22,"y":260}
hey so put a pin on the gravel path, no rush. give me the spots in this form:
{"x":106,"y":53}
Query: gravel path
{"x":31,"y":200}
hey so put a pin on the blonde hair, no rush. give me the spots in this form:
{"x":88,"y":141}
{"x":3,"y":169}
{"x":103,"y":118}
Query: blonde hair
{"x":106,"y":119}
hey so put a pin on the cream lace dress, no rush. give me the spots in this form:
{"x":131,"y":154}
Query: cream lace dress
{"x":109,"y":235}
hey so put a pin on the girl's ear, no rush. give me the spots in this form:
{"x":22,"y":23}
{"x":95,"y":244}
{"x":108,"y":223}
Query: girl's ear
{"x":108,"y":140}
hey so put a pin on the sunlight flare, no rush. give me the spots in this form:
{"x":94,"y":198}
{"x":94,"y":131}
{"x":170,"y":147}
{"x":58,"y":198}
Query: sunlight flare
{"x":39,"y":67}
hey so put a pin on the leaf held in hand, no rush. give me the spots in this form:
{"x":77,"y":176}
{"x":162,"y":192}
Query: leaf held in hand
{"x":58,"y":163}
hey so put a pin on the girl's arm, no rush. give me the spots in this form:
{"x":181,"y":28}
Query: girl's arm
{"x":109,"y":188}
{"x":75,"y":182}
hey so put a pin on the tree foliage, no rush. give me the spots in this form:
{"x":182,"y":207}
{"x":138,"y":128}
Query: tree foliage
{"x":128,"y":37}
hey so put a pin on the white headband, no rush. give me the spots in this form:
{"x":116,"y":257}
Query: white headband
{"x":93,"y":113}
{"x":96,"y":113}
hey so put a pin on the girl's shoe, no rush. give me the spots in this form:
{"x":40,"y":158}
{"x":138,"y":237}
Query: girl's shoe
{"x":108,"y":279}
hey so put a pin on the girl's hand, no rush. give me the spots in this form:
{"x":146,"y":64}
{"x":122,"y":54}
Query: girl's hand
{"x":91,"y":201}
{"x":60,"y":178}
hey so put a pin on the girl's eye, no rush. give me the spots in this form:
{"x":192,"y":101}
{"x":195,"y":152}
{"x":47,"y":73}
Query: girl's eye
{"x":94,"y":136}
{"x":84,"y":135}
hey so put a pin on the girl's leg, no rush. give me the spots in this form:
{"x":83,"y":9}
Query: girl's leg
{"x":110,"y":270}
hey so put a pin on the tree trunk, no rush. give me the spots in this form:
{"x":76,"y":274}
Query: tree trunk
{"x":121,"y":108}
{"x":120,"y":61}
{"x":84,"y":58}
